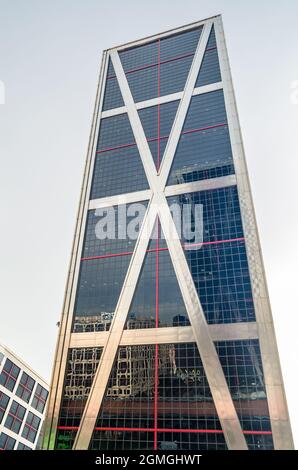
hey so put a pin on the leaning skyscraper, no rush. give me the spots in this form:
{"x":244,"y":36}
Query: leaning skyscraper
{"x":167,"y":342}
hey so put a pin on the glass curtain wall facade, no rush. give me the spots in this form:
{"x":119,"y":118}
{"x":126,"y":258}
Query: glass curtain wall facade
{"x":163,"y":344}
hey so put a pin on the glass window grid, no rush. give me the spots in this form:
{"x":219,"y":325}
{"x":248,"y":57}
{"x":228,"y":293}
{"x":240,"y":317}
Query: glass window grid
{"x":161,"y":67}
{"x":259,"y":442}
{"x":135,"y":402}
{"x":221,"y":213}
{"x":202,"y":155}
{"x":122,"y":440}
{"x":210,"y":69}
{"x":222,"y":222}
{"x":6,"y":442}
{"x":9,"y":375}
{"x":118,"y":167}
{"x":99,"y":287}
{"x":160,"y":413}
{"x":205,"y":110}
{"x":40,"y":398}
{"x":157,"y":123}
{"x":173,"y":75}
{"x":25,"y":387}
{"x":242,"y":366}
{"x":15,"y":417}
{"x":94,"y":247}
{"x":104,"y":264}
{"x":157,"y":301}
{"x":191,"y":174}
{"x":114,"y":132}
{"x":4,"y":399}
{"x":31,"y":427}
{"x":118,"y":171}
{"x":204,"y":149}
{"x":191,"y":441}
{"x":81,"y":367}
{"x":220,"y":273}
{"x":219,"y":267}
{"x":22,"y":446}
{"x":112,"y":95}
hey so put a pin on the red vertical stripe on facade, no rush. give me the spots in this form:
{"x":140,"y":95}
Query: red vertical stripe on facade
{"x":157,"y":261}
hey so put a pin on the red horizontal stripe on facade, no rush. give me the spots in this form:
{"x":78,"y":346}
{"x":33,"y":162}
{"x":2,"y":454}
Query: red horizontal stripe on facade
{"x":111,"y":255}
{"x":155,"y":139}
{"x":154,"y":250}
{"x":217,"y":242}
{"x":198,"y":431}
{"x":143,"y":67}
{"x":148,"y":66}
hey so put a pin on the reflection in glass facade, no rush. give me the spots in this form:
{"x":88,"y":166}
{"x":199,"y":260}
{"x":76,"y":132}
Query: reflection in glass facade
{"x":157,"y":395}
{"x":80,"y":369}
{"x":104,"y":264}
{"x":204,"y":149}
{"x":219,"y":267}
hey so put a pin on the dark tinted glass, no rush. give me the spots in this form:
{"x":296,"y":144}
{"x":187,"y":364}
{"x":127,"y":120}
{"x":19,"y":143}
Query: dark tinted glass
{"x":173,"y":75}
{"x":242,"y":366}
{"x":23,"y":447}
{"x":104,"y":264}
{"x":140,"y":56}
{"x":149,"y":391}
{"x":210,"y":70}
{"x":179,"y":45}
{"x":112,"y":94}
{"x":118,"y":167}
{"x":15,"y":417}
{"x":4,"y":399}
{"x":80,"y":370}
{"x":143,"y":83}
{"x":31,"y":427}
{"x":204,"y":149}
{"x":157,"y":300}
{"x":40,"y":398}
{"x":157,"y":122}
{"x":161,"y":67}
{"x":6,"y":442}
{"x":219,"y":265}
{"x":25,"y":387}
{"x":9,"y":375}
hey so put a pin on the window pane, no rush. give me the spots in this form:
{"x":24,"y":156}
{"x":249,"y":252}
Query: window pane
{"x":25,"y":387}
{"x":4,"y":399}
{"x":204,"y":149}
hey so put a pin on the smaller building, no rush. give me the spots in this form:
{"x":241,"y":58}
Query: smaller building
{"x":23,"y":397}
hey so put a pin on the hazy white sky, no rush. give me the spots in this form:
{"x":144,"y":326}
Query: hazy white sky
{"x":49,"y":59}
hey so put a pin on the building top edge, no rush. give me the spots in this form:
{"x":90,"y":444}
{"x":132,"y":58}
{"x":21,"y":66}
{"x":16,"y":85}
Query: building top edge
{"x":145,"y":39}
{"x":8,"y":352}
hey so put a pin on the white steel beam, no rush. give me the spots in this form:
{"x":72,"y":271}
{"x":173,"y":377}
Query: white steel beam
{"x":168,"y":335}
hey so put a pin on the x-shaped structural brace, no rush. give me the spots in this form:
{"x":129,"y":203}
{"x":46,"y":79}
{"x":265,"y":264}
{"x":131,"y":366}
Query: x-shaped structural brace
{"x":158,"y":207}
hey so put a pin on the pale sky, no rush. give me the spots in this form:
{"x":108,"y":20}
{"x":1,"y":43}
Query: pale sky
{"x":50,"y":53}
